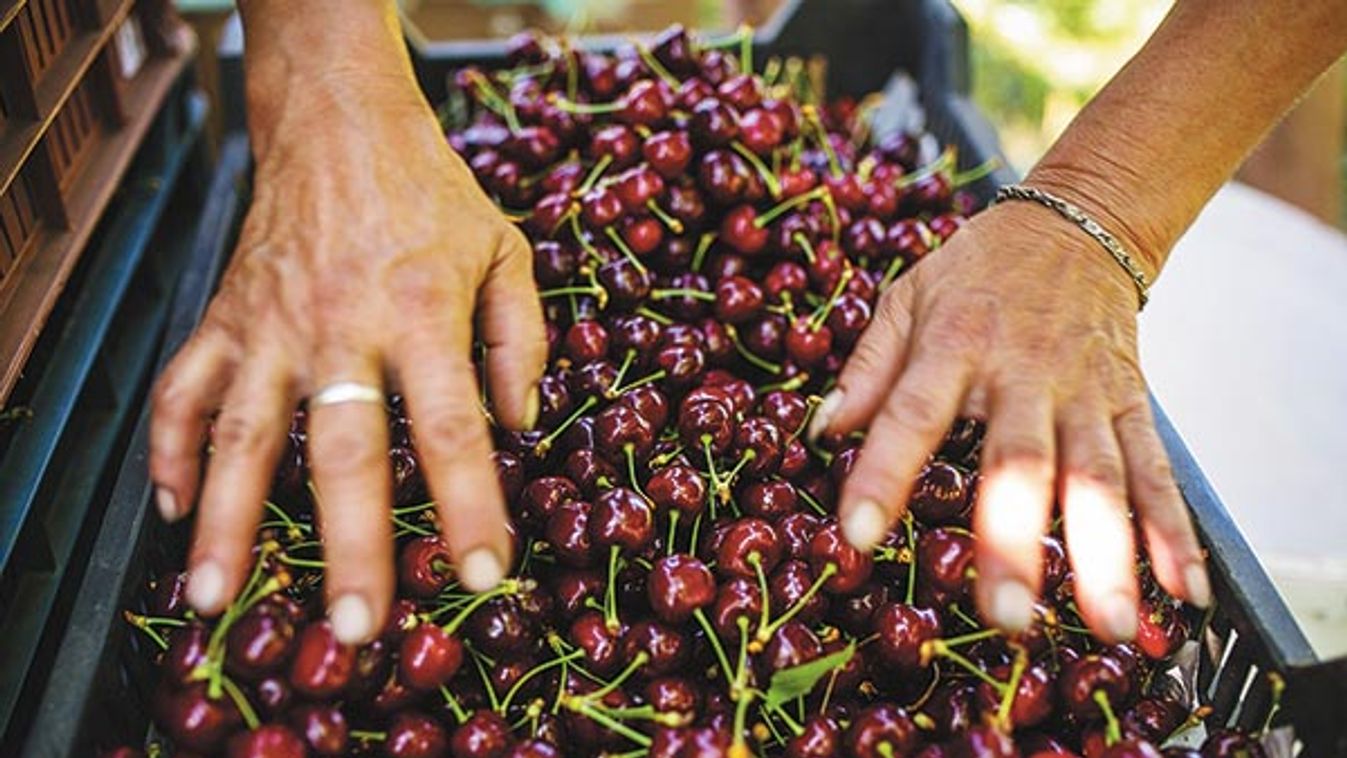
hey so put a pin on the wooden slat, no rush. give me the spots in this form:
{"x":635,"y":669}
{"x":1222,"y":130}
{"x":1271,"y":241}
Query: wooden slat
{"x":30,"y":290}
{"x":53,"y":89}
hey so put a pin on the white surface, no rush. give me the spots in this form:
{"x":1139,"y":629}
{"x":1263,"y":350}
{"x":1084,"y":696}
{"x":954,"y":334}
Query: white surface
{"x":1245,"y":345}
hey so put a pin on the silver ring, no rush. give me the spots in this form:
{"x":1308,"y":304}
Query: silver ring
{"x":346,"y":392}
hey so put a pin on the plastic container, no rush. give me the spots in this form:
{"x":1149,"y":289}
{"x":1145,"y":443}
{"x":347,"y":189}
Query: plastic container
{"x":106,"y":680}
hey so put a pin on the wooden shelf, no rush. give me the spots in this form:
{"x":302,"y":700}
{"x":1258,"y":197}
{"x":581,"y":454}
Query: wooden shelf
{"x":29,"y":292}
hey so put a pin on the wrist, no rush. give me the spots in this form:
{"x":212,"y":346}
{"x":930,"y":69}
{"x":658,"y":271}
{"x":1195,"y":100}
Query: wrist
{"x":1105,"y":199}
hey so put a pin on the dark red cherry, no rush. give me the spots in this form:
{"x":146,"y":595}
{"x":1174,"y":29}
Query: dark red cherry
{"x":193,"y":719}
{"x":747,"y":541}
{"x":424,"y":567}
{"x":737,"y":598}
{"x":772,"y":500}
{"x":723,"y":176}
{"x":499,"y":629}
{"x":273,"y":695}
{"x":739,"y":229}
{"x":568,"y":532}
{"x":942,"y":493}
{"x":187,"y":646}
{"x":713,"y":124}
{"x":793,"y":644}
{"x":619,"y":426}
{"x":848,"y":318}
{"x":852,"y":567}
{"x":415,"y":735}
{"x":602,"y":645}
{"x":484,"y":735}
{"x":621,"y":517}
{"x":820,"y":737}
{"x":808,"y":344}
{"x":881,"y":731}
{"x":323,"y":728}
{"x":764,"y":440}
{"x":788,"y":586}
{"x":1079,"y":679}
{"x":586,"y":341}
{"x":429,"y":657}
{"x":679,"y":584}
{"x":903,"y":631}
{"x":945,"y":557}
{"x":666,"y":647}
{"x":738,"y":299}
{"x":668,"y":153}
{"x":678,"y":487}
{"x":619,"y":143}
{"x":258,"y":643}
{"x":743,"y":91}
{"x":267,"y":741}
{"x":321,"y":666}
{"x":761,"y":131}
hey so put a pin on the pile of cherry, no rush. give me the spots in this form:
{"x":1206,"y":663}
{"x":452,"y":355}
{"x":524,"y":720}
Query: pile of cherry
{"x":709,"y":244}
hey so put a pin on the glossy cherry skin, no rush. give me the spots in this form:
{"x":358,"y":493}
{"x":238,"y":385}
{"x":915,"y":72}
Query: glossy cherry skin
{"x":668,"y":153}
{"x":903,"y":631}
{"x":793,"y":644}
{"x":499,"y":629}
{"x":1229,"y":743}
{"x":187,"y":646}
{"x":1079,"y":679}
{"x":193,"y":719}
{"x":586,"y":341}
{"x":1153,"y":718}
{"x":589,"y":469}
{"x":737,"y":598}
{"x":764,"y":440}
{"x":415,"y":735}
{"x":424,"y":567}
{"x":321,"y":666}
{"x":678,"y":487}
{"x":619,"y":426}
{"x":738,"y":299}
{"x":622,"y":518}
{"x":945,"y":559}
{"x":746,"y":541}
{"x":602,"y":645}
{"x":770,"y":499}
{"x":678,"y":585}
{"x":567,"y":532}
{"x":882,"y":725}
{"x":941,"y":494}
{"x":484,"y":735}
{"x":258,"y":643}
{"x":854,"y":567}
{"x":429,"y":657}
{"x":267,"y":741}
{"x":665,"y":646}
{"x":534,"y":749}
{"x":323,"y":728}
{"x":543,"y":495}
{"x":787,"y":587}
{"x":821,"y":737}
{"x":739,"y":229}
{"x":1035,"y":697}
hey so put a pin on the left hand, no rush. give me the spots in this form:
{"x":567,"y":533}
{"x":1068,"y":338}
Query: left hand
{"x":1022,"y":320}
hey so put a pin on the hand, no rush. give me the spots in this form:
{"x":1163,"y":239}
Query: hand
{"x":367,"y":251}
{"x":1022,"y":320}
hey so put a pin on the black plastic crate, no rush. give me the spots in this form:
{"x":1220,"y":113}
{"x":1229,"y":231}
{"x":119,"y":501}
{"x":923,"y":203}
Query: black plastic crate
{"x":105,"y":678}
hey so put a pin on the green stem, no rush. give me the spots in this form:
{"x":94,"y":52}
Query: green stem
{"x":653,"y":63}
{"x":714,"y":640}
{"x":829,"y":569}
{"x":764,"y":171}
{"x":703,"y":245}
{"x":621,"y":245}
{"x":241,"y":702}
{"x":506,"y":587}
{"x":1112,"y":729}
{"x":640,"y":660}
{"x":787,"y":205}
{"x":459,"y":715}
{"x":912,"y":565}
{"x":672,"y":224}
{"x":610,"y":618}
{"x":747,"y":354}
{"x":667,"y":294}
{"x":545,"y":444}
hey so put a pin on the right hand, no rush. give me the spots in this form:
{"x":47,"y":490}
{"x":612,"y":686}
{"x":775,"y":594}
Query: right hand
{"x":367,"y":252}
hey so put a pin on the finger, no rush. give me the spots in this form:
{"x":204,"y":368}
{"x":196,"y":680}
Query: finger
{"x":1097,"y":524}
{"x":511,"y":319}
{"x":248,"y":437}
{"x":871,"y":370}
{"x":1175,"y":555}
{"x":184,"y":397}
{"x":1014,"y":504}
{"x":913,"y":420}
{"x":452,"y":440}
{"x":348,"y":450}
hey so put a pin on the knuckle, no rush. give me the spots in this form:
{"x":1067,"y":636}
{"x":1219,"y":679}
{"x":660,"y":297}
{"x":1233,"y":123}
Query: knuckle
{"x":451,"y":428}
{"x":233,"y":433}
{"x":963,"y":331}
{"x":1103,"y":470}
{"x":342,"y":448}
{"x":1022,"y":452}
{"x":914,"y":409}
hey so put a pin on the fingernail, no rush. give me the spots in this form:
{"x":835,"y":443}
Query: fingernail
{"x":1198,"y":586}
{"x":351,"y":619}
{"x":205,"y":586}
{"x":480,"y":570}
{"x":1012,"y":606}
{"x":1120,"y":616}
{"x":823,"y":415}
{"x":166,"y":503}
{"x":866,"y":525}
{"x":532,"y":408}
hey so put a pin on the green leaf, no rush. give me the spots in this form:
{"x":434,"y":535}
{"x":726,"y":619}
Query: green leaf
{"x":788,"y":684}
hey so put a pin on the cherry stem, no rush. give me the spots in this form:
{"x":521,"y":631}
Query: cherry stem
{"x":1112,"y":729}
{"x":749,"y":355}
{"x":942,"y":163}
{"x":771,"y":71}
{"x":975,"y":173}
{"x":816,"y":321}
{"x":610,"y":618}
{"x":655,"y":316}
{"x":494,"y":101}
{"x":637,"y":662}
{"x":755,"y":560}
{"x":653,"y":63}
{"x":703,"y":245}
{"x":661,"y":460}
{"x":673,"y":531}
{"x":809,"y":500}
{"x":723,"y":488}
{"x":1278,"y":685}
{"x":891,"y":272}
{"x":506,"y":587}
{"x":811,"y":116}
{"x":711,"y":472}
{"x":910,"y":531}
{"x":739,"y":691}
{"x":572,"y":290}
{"x":1012,"y":687}
{"x":143,"y":624}
{"x":696,"y":531}
{"x":570,"y":106}
{"x":765,"y":172}
{"x":674,"y":225}
{"x":960,"y":614}
{"x":801,"y":239}
{"x":650,"y":379}
{"x":789,"y":385}
{"x":667,"y":294}
{"x":592,"y":178}
{"x":829,"y":569}
{"x":621,"y":245}
{"x":545,"y":444}
{"x":583,"y":239}
{"x":459,"y":715}
{"x":486,"y":680}
{"x":241,"y":702}
{"x":629,"y":451}
{"x":970,"y":638}
{"x":627,"y":359}
{"x":364,"y":735}
{"x":584,"y":708}
{"x":746,"y":49}
{"x":252,"y":592}
{"x":787,"y":205}
{"x":714,"y":640}
{"x":933,"y":648}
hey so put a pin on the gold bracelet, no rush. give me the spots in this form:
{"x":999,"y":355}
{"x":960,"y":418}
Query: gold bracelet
{"x":1088,"y":225}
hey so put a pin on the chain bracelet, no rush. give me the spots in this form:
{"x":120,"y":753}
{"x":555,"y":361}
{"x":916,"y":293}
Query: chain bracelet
{"x":1088,"y":225}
